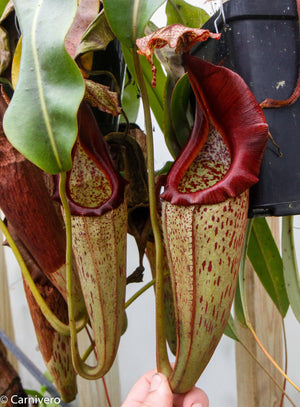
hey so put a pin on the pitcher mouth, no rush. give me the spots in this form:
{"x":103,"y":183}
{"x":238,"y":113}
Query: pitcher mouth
{"x":224,"y":102}
{"x":93,"y":186}
{"x":204,"y":162}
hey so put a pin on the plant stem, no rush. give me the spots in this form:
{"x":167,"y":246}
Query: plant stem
{"x":162,"y":360}
{"x":139,"y":292}
{"x":56,"y":324}
{"x":142,"y":290}
{"x":74,"y":345}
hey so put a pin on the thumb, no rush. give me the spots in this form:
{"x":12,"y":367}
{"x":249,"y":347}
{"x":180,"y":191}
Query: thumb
{"x":160,"y":394}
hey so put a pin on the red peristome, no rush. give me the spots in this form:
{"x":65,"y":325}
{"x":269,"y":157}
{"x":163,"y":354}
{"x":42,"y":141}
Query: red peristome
{"x":229,"y":105}
{"x":93,"y":144}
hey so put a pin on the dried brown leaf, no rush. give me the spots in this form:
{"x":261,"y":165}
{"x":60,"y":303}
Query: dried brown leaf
{"x":100,"y":96}
{"x":86,"y":13}
{"x":5,"y":56}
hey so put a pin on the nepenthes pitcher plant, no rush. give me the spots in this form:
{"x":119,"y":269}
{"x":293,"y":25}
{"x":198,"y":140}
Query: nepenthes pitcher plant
{"x":69,"y":201}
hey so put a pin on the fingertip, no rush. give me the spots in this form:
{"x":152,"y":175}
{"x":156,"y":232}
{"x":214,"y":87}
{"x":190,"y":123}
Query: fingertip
{"x":198,"y":399}
{"x":159,"y":392}
{"x":156,"y":381}
{"x":194,"y":398}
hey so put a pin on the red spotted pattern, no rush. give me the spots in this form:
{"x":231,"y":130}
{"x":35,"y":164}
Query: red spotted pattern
{"x":204,"y":246}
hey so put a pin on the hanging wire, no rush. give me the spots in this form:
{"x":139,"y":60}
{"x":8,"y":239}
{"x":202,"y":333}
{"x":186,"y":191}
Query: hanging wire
{"x":17,"y":26}
{"x":221,"y":14}
{"x":27,"y":363}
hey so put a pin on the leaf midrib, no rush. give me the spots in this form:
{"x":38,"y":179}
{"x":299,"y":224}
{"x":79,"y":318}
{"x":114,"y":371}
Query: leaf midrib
{"x":179,"y":15}
{"x":135,"y":19}
{"x":270,"y":274}
{"x":40,"y":86}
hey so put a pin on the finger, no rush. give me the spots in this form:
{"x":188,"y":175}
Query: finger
{"x":139,"y":391}
{"x":159,"y":393}
{"x":194,"y":398}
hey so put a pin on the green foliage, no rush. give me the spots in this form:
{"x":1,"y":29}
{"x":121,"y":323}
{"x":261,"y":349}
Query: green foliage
{"x":3,"y":4}
{"x":178,"y":116}
{"x":290,"y":267}
{"x":267,"y":263}
{"x":131,"y":99}
{"x":168,"y":129}
{"x":179,"y":11}
{"x":181,"y":114}
{"x":165,"y":169}
{"x":129,"y":18}
{"x":239,"y":306}
{"x":156,"y":94}
{"x":42,"y":394}
{"x":41,"y":119}
{"x":231,"y":330}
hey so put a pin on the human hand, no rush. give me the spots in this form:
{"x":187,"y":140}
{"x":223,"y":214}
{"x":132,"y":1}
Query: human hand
{"x":153,"y":390}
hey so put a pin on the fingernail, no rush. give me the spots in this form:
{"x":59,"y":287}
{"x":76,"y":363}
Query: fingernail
{"x":155,"y":382}
{"x":197,"y":405}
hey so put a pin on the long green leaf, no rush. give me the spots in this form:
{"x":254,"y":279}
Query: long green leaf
{"x":267,"y":263}
{"x":130,"y":100}
{"x":181,"y":115}
{"x":128,"y":18}
{"x":179,"y":11}
{"x":290,"y":268}
{"x":168,"y":128}
{"x":3,"y":4}
{"x":239,"y":311}
{"x":231,"y":329}
{"x":41,"y":119}
{"x":240,"y":300}
{"x":156,"y":94}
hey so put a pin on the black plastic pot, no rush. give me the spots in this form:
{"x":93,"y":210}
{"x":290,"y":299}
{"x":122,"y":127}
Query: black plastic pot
{"x":110,"y":60}
{"x":260,"y":41}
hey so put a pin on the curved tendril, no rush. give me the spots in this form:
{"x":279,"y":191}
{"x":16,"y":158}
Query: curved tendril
{"x":56,"y":324}
{"x":105,"y":73}
{"x":278,"y":385}
{"x":84,"y":370}
{"x":245,"y":309}
{"x":127,"y":304}
{"x":266,"y":353}
{"x":125,"y":117}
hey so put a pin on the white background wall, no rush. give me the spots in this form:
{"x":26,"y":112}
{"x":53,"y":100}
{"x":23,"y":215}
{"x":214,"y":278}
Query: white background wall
{"x":137,"y":348}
